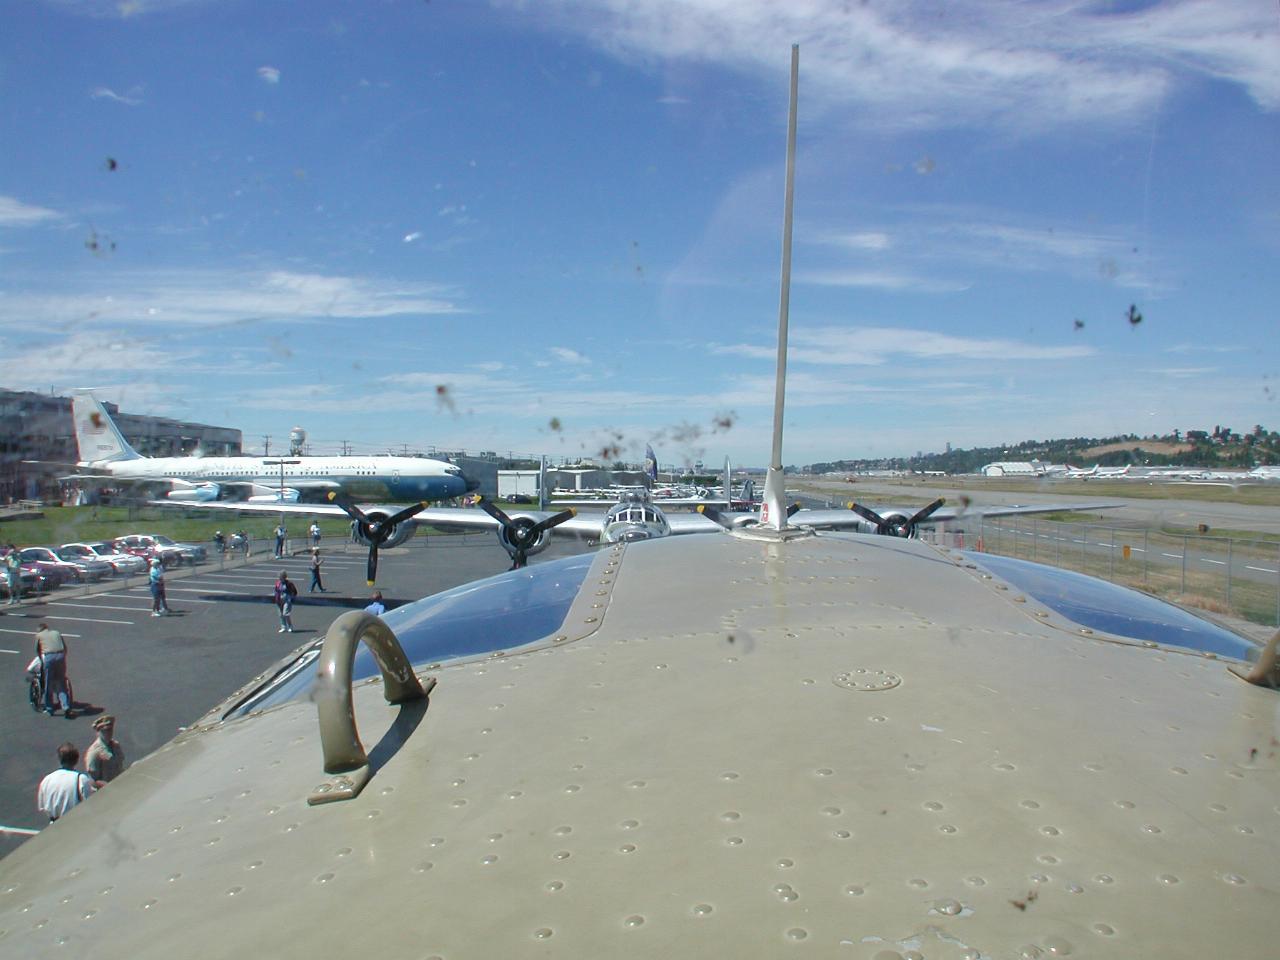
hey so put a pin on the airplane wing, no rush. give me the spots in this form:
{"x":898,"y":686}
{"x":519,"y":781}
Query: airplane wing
{"x":836,"y":519}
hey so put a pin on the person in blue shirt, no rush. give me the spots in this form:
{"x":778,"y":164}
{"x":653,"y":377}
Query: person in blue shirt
{"x":159,"y":603}
{"x":377,"y":608}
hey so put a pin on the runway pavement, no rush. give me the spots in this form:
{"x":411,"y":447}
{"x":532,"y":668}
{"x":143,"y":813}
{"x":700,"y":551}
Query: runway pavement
{"x":157,"y":674}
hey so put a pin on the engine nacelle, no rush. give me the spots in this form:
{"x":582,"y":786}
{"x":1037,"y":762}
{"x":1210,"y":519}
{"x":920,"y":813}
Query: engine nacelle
{"x":199,"y":493}
{"x":399,"y":533}
{"x":898,"y":524}
{"x":279,"y":496}
{"x":522,"y":524}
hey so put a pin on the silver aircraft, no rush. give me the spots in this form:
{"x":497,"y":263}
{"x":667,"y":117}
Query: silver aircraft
{"x":769,"y":742}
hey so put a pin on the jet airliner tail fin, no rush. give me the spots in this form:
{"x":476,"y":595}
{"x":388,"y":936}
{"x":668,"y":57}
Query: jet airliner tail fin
{"x":97,"y":436}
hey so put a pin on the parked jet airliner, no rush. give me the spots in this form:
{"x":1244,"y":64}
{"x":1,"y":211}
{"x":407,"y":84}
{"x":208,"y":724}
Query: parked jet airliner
{"x":107,"y":456}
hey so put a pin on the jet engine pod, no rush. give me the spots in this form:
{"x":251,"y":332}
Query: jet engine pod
{"x":200,"y":493}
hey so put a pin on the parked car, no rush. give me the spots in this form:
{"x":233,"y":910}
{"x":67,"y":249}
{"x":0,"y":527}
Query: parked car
{"x":170,"y":552}
{"x":91,"y":567}
{"x":32,"y":581}
{"x":47,"y":561}
{"x":121,"y":563}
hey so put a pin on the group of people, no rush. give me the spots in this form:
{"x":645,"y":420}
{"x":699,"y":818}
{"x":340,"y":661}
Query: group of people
{"x":282,"y":536}
{"x":103,"y":759}
{"x":66,"y":786}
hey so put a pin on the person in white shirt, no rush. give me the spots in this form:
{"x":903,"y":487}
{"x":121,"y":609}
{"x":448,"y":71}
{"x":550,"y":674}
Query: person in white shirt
{"x":65,"y":787}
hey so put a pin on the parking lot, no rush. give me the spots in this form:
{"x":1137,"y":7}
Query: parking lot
{"x":157,"y":674}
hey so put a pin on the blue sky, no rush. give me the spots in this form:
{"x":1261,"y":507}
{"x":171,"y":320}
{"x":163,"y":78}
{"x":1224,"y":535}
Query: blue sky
{"x":555,"y":227}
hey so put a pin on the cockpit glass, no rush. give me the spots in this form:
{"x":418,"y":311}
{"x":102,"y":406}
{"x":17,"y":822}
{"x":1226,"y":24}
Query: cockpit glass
{"x":504,"y":612}
{"x":1108,"y":607}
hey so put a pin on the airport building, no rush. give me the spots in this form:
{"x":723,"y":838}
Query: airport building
{"x":37,"y":427}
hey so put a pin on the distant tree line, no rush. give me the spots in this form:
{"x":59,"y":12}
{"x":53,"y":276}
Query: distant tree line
{"x":1219,"y":447}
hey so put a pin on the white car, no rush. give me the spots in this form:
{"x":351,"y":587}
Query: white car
{"x":121,"y":563}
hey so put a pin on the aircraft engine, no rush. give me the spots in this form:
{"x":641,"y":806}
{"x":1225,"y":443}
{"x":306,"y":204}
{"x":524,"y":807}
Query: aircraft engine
{"x":513,"y":537}
{"x":399,"y":533}
{"x":896,"y":523}
{"x":199,"y":493}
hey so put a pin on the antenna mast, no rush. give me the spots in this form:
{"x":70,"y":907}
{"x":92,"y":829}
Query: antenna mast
{"x":773,"y":508}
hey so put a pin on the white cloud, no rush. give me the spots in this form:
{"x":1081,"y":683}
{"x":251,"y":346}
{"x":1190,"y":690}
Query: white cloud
{"x":132,"y":99}
{"x":909,"y":65}
{"x":15,"y":213}
{"x":566,"y":355}
{"x":879,"y":280}
{"x":222,"y":297}
{"x":873,"y":346}
{"x":269,"y":74}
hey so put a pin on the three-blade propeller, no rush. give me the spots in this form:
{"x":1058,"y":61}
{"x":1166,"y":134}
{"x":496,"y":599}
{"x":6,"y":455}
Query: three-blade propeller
{"x":894,"y":526}
{"x":520,"y":534}
{"x":376,"y":532}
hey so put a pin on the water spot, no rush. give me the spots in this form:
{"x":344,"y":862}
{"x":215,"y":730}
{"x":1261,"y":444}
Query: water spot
{"x":729,"y":775}
{"x":1234,"y":879}
{"x":324,"y":878}
{"x":563,"y":831}
{"x":831,"y":811}
{"x":824,"y":771}
{"x":1124,"y":804}
{"x":842,"y":834}
{"x":947,"y":828}
{"x":1047,"y":858}
{"x":1151,"y":828}
{"x":637,"y":784}
{"x":253,"y":865}
{"x":627,"y":848}
{"x":918,"y":883}
{"x":489,"y":860}
{"x":562,"y":855}
{"x":423,"y":867}
{"x":1030,"y":952}
{"x":1004,"y":767}
{"x":933,"y":805}
{"x":975,"y":881}
{"x":1104,"y":878}
{"x":1050,"y":831}
{"x":436,"y":842}
{"x":948,"y":908}
{"x":731,"y":815}
{"x":629,"y":824}
{"x":733,"y":841}
{"x":234,"y":891}
{"x":1057,"y":946}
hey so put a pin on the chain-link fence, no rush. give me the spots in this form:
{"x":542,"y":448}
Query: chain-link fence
{"x":1228,"y":575}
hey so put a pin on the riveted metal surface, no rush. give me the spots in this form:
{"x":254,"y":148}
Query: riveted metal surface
{"x":684,"y":781}
{"x":862,"y":679}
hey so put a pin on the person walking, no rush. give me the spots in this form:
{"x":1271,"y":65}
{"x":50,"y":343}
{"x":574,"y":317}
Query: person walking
{"x":51,"y":648}
{"x":315,"y":572}
{"x":315,"y":534}
{"x":104,"y":758}
{"x":13,"y":575}
{"x":155,"y":578}
{"x":65,"y":787}
{"x":281,"y":533}
{"x":285,"y":591}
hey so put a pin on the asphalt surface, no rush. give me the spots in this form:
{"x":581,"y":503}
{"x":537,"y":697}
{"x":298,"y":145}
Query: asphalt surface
{"x":158,"y":674}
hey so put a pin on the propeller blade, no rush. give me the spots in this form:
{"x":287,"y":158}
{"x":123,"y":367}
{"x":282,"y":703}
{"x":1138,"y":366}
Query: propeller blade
{"x":791,"y":510}
{"x":371,"y":571}
{"x":550,"y":522}
{"x":870,"y":516}
{"x":711,"y":513}
{"x":404,"y":514}
{"x":926,"y":512}
{"x":348,"y":507}
{"x":493,"y":511}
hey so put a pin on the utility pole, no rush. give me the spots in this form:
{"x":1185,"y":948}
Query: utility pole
{"x":346,"y":449}
{"x":266,"y":444}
